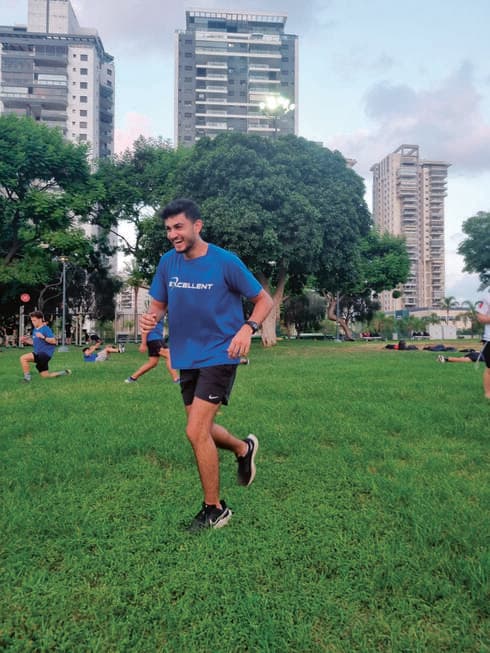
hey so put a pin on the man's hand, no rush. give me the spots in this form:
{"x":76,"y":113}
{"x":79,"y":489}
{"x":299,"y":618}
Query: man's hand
{"x":142,"y":348}
{"x":148,"y":321}
{"x":240,"y":344}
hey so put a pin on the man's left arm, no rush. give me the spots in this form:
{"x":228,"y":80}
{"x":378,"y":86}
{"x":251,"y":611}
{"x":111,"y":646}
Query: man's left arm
{"x":484,"y":316}
{"x":240,"y":344}
{"x":47,"y":335}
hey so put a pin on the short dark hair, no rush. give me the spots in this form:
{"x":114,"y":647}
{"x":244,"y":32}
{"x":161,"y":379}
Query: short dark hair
{"x":181,"y":205}
{"x":85,"y":349}
{"x":38,"y":314}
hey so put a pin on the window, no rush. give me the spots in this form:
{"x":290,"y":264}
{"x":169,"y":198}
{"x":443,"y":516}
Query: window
{"x":83,"y":113}
{"x":109,"y":71}
{"x":83,"y":98}
{"x":83,"y":71}
{"x":83,"y":125}
{"x":83,"y":85}
{"x":84,"y":57}
{"x":82,"y":137}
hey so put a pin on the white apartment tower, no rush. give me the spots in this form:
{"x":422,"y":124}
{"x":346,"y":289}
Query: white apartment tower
{"x":408,"y":200}
{"x":59,"y":73}
{"x":227,"y":64}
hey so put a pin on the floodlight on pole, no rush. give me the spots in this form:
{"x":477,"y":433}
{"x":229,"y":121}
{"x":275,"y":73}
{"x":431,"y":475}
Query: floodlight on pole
{"x":276,"y":106}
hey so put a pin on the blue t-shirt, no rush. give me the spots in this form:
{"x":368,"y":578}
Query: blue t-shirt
{"x":204,"y":299}
{"x":40,"y":346}
{"x":156,"y":333}
{"x":90,"y":358}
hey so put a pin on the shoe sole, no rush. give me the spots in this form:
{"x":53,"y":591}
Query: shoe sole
{"x":254,"y":439}
{"x":223,"y":520}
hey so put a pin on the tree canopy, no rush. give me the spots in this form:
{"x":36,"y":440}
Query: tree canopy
{"x":475,"y":248}
{"x":46,"y":194}
{"x":288,"y":207}
{"x":275,"y":202}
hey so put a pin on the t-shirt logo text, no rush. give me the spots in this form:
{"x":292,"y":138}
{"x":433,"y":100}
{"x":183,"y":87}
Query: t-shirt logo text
{"x":175,"y":283}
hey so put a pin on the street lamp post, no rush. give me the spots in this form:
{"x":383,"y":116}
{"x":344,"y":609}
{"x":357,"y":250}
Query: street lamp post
{"x":63,"y":346}
{"x":276,"y":106}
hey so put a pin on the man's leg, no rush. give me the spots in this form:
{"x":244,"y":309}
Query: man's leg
{"x":244,"y":450}
{"x":53,"y":375}
{"x":146,"y":367}
{"x":200,"y":416}
{"x":165,"y":353}
{"x":486,"y":382}
{"x":225,"y":440}
{"x":25,"y":359}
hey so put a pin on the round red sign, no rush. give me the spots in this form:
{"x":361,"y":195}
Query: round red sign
{"x":25,"y":297}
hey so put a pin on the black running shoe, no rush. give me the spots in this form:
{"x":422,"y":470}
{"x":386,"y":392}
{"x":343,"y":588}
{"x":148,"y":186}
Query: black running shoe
{"x":246,"y":464}
{"x":211,"y":517}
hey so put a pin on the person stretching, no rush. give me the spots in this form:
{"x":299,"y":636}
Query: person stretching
{"x":157,"y":347}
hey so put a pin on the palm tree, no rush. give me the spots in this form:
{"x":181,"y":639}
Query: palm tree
{"x":135,"y":280}
{"x":447,"y":303}
{"x":471,"y":314}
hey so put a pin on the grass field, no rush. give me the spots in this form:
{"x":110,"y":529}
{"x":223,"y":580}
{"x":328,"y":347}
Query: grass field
{"x":366,"y":529}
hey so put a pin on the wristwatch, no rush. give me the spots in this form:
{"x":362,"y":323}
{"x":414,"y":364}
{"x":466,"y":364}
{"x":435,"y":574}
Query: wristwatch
{"x":253,"y":325}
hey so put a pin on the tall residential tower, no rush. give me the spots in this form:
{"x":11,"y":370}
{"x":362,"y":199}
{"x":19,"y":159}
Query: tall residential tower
{"x":408,"y":200}
{"x":59,"y":73}
{"x":227,"y":64}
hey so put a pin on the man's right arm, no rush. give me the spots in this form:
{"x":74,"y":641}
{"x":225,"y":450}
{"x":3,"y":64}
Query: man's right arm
{"x":155,"y":313}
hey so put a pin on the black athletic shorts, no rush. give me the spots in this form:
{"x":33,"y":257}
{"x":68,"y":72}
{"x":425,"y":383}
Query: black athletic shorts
{"x":212,"y":384}
{"x":485,"y":353}
{"x":42,"y":362}
{"x":154,"y":347}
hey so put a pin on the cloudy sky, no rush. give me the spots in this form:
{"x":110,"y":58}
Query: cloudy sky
{"x":372,"y":76}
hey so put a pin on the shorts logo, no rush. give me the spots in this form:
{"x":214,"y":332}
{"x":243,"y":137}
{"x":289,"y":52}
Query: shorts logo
{"x":212,"y":397}
{"x":175,"y":283}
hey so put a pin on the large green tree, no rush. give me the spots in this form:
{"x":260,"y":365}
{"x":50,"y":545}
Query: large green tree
{"x":45,"y":193}
{"x":356,"y":273}
{"x":272,"y":201}
{"x":130,"y":189}
{"x":475,"y":248}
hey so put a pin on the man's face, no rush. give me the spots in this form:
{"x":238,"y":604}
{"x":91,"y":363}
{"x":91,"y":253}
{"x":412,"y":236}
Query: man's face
{"x":36,"y":322}
{"x":182,"y":232}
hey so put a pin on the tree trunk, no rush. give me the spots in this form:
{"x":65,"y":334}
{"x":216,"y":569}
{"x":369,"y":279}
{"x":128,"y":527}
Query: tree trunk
{"x":332,"y":315}
{"x":268,"y":331}
{"x":135,"y":312}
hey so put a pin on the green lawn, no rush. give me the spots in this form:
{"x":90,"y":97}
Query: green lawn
{"x":366,"y":529}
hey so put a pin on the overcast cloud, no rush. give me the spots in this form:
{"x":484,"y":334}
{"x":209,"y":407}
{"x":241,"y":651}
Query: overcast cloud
{"x":150,"y":24}
{"x":447,"y":121}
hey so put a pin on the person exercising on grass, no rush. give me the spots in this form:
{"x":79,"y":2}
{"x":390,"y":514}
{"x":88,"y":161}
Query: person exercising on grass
{"x":202,"y":285}
{"x":44,"y":343}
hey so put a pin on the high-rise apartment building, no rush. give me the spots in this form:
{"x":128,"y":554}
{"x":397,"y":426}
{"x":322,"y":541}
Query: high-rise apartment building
{"x":227,"y":64}
{"x":59,"y":73}
{"x":408,"y":200}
